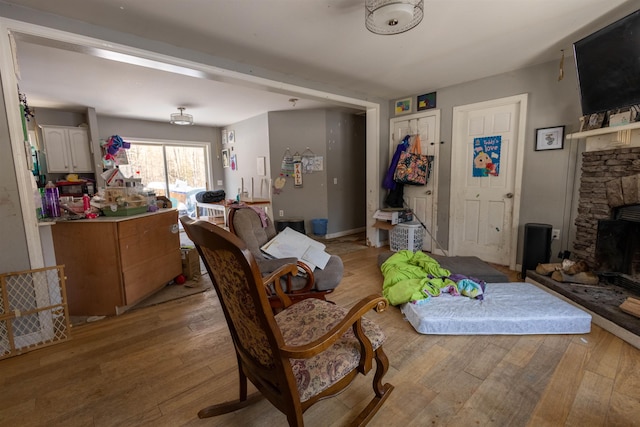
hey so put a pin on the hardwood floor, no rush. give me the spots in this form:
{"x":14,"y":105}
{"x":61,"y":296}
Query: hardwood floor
{"x":158,"y":366}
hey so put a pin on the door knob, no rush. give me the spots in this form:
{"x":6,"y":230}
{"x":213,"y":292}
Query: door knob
{"x":509,"y":196}
{"x":428,"y":192}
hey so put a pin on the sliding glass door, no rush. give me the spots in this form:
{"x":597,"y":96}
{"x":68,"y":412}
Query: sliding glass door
{"x":175,"y":170}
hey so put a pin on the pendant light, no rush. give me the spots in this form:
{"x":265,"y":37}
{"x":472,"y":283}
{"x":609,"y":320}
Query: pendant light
{"x":392,"y":16}
{"x":181,"y":118}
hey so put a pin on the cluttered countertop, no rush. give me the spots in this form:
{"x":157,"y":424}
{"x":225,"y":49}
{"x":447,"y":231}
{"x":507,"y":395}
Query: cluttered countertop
{"x":113,"y":204}
{"x":51,"y":221}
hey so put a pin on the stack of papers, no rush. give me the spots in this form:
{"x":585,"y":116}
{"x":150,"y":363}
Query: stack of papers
{"x":291,"y":243}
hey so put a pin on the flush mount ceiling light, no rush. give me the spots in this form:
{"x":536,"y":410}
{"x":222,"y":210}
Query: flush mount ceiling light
{"x":181,"y":118}
{"x":392,"y":16}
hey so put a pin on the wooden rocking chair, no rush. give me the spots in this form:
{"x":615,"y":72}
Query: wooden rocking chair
{"x":280,"y":353}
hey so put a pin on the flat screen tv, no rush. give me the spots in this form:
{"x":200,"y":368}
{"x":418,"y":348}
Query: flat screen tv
{"x":608,"y":65}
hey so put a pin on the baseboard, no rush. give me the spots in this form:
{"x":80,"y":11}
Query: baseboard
{"x":344,"y":233}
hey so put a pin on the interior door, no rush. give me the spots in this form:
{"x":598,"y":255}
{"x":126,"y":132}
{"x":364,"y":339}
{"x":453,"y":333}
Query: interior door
{"x":421,"y":199}
{"x":487,"y":153}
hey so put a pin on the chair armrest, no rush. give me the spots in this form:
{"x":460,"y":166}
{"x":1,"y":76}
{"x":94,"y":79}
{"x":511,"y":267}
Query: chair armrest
{"x":272,"y":278}
{"x":351,"y":320}
{"x":310,"y":279}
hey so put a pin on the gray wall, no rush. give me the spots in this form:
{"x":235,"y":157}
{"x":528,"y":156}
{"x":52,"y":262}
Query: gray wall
{"x":548,"y":176}
{"x":340,"y":139}
{"x":14,"y":254}
{"x":251,"y":142}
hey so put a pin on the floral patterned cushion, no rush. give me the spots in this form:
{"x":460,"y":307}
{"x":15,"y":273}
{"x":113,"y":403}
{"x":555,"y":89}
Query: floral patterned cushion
{"x":308,"y":320}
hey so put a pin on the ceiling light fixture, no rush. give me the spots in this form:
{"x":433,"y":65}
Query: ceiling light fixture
{"x":181,"y":118}
{"x":392,"y":16}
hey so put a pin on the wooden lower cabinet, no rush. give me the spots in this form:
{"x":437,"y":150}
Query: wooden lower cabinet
{"x":111,"y":263}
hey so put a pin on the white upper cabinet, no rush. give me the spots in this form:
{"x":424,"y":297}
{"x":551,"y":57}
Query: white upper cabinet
{"x":67,"y":149}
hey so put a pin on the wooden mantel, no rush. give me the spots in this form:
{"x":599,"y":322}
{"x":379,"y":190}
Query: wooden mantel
{"x":610,"y":137}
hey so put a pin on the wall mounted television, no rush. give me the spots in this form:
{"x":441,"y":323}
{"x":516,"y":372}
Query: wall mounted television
{"x":608,"y":65}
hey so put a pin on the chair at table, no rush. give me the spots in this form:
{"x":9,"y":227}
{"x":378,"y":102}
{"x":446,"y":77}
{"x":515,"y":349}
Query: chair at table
{"x":309,"y":351}
{"x":246,"y":223}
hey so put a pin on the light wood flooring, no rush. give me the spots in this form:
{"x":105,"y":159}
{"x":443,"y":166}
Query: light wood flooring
{"x":158,"y":366}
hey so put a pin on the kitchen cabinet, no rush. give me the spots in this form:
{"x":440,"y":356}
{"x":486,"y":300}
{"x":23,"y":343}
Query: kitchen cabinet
{"x":67,"y":149}
{"x":111,"y":263}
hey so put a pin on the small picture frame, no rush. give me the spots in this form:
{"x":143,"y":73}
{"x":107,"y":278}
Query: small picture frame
{"x":426,"y":101}
{"x":403,"y":106}
{"x":550,"y":138}
{"x":225,"y":158}
{"x":224,"y":137}
{"x":595,"y":121}
{"x":231,"y":136}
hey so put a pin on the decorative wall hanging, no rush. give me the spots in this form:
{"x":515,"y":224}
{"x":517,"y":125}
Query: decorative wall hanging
{"x":486,"y":156}
{"x":224,"y":136}
{"x":297,"y":170}
{"x":234,"y":162}
{"x":318,"y":164}
{"x":287,"y":163}
{"x":550,"y":138}
{"x":427,"y":101}
{"x":231,"y":136}
{"x":307,"y":161}
{"x":278,"y":184}
{"x":403,"y":106}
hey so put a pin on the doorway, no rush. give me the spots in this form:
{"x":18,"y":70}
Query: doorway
{"x":486,"y":176}
{"x":421,"y":199}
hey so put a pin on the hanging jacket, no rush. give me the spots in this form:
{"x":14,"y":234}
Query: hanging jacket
{"x":388,"y":183}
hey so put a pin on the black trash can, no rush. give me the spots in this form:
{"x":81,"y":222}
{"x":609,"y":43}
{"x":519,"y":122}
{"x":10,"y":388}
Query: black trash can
{"x":537,"y":246}
{"x":296,"y":224}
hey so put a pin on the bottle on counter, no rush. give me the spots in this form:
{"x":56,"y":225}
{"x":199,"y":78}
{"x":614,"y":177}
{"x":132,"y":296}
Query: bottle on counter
{"x":86,"y":203}
{"x":52,"y":200}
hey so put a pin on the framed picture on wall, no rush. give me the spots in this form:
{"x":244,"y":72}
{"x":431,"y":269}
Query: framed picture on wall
{"x":231,"y":136}
{"x":403,"y":106}
{"x":225,"y":158}
{"x":426,"y":101}
{"x":224,"y":136}
{"x":550,"y":138}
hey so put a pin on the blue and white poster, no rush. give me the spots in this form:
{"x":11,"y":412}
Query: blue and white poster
{"x":486,"y":156}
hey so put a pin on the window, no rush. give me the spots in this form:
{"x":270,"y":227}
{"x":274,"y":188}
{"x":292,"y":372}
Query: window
{"x":183,"y":168}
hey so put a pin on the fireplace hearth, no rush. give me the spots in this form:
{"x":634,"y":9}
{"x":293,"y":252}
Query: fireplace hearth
{"x":607,"y":235}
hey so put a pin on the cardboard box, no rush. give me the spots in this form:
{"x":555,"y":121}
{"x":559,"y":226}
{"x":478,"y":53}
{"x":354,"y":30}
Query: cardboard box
{"x":395,"y":216}
{"x":190,"y":263}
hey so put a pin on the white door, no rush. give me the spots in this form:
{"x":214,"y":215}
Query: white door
{"x":485,"y":202}
{"x":421,"y":199}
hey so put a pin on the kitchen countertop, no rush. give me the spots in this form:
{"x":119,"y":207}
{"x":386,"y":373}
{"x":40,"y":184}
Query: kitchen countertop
{"x":105,"y":218}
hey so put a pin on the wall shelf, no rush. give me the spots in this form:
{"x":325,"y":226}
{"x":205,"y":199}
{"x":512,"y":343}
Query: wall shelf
{"x":604,"y":131}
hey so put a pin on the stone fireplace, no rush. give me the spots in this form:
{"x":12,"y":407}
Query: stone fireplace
{"x":608,"y":221}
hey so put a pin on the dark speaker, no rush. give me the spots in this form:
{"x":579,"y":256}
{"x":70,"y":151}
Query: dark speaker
{"x":537,"y":246}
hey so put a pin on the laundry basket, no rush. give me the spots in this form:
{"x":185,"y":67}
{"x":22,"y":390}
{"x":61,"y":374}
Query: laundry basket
{"x":406,"y":235}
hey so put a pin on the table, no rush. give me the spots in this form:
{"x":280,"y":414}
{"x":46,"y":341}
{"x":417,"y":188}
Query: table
{"x":218,"y":212}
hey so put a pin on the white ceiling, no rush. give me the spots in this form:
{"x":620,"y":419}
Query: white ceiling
{"x":321,"y":42}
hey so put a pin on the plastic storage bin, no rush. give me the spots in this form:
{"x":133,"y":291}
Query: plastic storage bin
{"x":407,"y":235}
{"x":319,"y":226}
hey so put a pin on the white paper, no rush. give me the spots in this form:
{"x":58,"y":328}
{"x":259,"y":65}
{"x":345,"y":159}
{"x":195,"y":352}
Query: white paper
{"x":290,"y":243}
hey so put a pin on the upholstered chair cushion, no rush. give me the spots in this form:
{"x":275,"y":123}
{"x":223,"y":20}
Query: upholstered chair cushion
{"x":308,"y":320}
